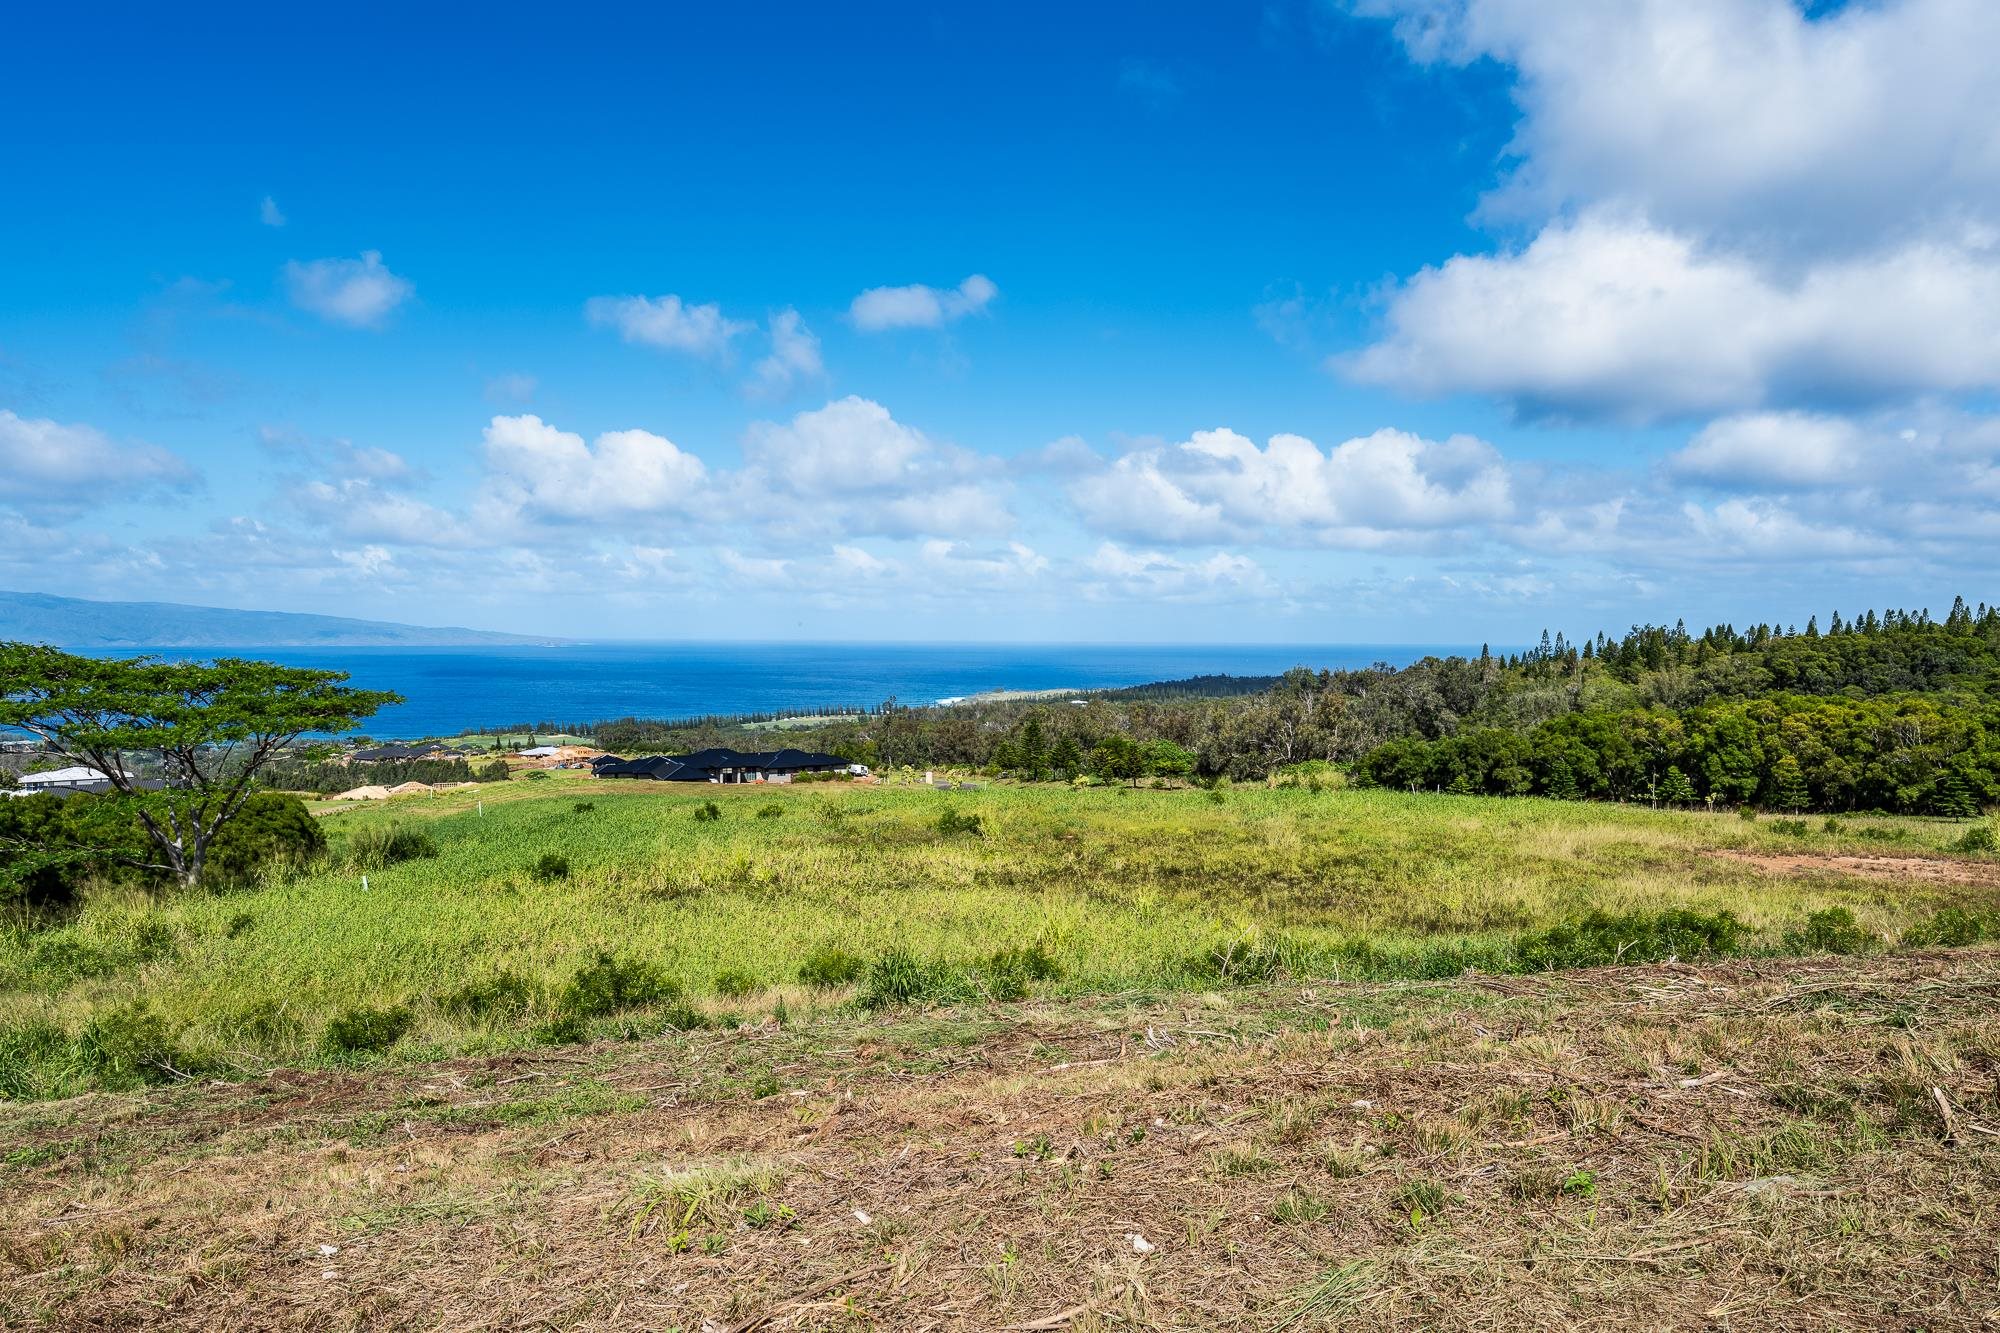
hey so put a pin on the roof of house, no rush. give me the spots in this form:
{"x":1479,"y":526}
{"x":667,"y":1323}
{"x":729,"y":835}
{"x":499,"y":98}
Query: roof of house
{"x":62,"y":777}
{"x":538,"y":752}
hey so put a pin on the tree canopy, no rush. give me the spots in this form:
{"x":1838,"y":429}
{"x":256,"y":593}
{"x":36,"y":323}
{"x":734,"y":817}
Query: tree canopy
{"x":204,"y":728}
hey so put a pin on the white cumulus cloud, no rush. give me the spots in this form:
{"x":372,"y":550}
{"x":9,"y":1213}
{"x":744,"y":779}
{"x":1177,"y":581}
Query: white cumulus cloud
{"x":920,"y":307}
{"x":794,"y":355}
{"x":358,"y":293}
{"x":668,"y":323}
{"x":1378,"y":490}
{"x":552,"y":473}
{"x":45,"y":463}
{"x":1615,"y":318}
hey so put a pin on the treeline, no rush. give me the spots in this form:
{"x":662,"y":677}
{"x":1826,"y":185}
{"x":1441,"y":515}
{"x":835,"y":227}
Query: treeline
{"x":1890,"y":710}
{"x":1909,"y":753}
{"x":325,"y":777}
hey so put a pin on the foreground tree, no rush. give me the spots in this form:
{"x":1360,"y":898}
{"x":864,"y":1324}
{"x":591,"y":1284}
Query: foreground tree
{"x":206,"y":727}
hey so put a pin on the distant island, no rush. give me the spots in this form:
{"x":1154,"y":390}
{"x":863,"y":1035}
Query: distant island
{"x":73,"y":622}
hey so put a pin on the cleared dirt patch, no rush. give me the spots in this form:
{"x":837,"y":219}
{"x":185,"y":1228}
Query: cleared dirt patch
{"x":1764,"y":1144}
{"x":1928,"y":869}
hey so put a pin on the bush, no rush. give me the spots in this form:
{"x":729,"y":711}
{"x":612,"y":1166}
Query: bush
{"x":535,"y":775}
{"x":1239,"y":962}
{"x":363,"y":1030}
{"x":129,"y":1046}
{"x":898,"y":978}
{"x":499,"y":996}
{"x":583,"y":807}
{"x":379,"y":848}
{"x":549,"y":868}
{"x":271,"y":830}
{"x":1791,"y":828}
{"x":951,"y":822}
{"x":36,"y":1060}
{"x":495,"y":771}
{"x":771,"y":811}
{"x":828,"y":966}
{"x":1638,"y":937}
{"x":735,"y":984}
{"x":1747,"y":813}
{"x":1009,"y":971}
{"x":1978,"y":838}
{"x":605,"y":985}
{"x":707,"y":812}
{"x":1831,"y":931}
{"x":1953,"y":927}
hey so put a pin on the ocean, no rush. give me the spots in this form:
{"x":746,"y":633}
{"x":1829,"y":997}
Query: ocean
{"x":452,"y":690}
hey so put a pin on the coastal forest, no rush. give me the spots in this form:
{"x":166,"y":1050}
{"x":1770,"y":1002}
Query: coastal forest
{"x":1894,"y":711}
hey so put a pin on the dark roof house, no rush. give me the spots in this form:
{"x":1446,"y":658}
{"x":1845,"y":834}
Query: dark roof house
{"x":719,"y":764}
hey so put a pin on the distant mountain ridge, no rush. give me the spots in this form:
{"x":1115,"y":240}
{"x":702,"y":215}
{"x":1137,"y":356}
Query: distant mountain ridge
{"x":73,"y":622}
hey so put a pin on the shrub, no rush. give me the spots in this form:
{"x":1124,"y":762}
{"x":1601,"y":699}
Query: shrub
{"x":495,"y":771}
{"x":1747,"y":813}
{"x":130,"y":1045}
{"x":36,"y":1060}
{"x":550,"y":867}
{"x":735,"y":984}
{"x":951,"y":822}
{"x":272,"y":830}
{"x":1240,"y":962}
{"x":501,"y":995}
{"x":770,"y":811}
{"x":363,"y":1030}
{"x":607,"y":984}
{"x":1791,"y":828}
{"x":154,"y":939}
{"x":1953,"y":927}
{"x":583,"y":807}
{"x":1009,"y":971}
{"x":379,"y":848}
{"x":1832,"y":825}
{"x":898,"y":977}
{"x":707,"y":812}
{"x":1831,"y":931}
{"x":828,"y":966}
{"x":1978,"y":838}
{"x":534,"y":775}
{"x":1600,"y":938}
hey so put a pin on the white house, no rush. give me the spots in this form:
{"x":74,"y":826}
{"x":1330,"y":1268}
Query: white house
{"x":61,"y":779}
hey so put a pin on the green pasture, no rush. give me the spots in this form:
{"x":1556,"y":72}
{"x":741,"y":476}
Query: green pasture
{"x":1117,"y":888}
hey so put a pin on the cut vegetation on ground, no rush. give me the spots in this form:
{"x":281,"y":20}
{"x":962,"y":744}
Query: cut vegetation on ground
{"x":1758,"y":1144}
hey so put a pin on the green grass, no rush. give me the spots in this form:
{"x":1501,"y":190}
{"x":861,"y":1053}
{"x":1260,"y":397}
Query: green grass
{"x":1067,"y":891}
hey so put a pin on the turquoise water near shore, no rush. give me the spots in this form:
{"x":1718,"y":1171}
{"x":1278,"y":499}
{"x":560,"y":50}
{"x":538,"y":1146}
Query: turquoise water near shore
{"x":457,"y":689}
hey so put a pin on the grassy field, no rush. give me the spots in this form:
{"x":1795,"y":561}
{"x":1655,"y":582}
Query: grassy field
{"x":1760,"y":1144}
{"x":563,"y":908}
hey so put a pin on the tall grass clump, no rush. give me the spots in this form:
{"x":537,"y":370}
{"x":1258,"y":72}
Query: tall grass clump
{"x":829,"y":966}
{"x":1600,"y":939}
{"x":378,"y":848}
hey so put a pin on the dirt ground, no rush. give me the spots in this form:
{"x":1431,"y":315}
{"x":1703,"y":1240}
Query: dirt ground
{"x":1772,"y":1144}
{"x":1936,"y":870}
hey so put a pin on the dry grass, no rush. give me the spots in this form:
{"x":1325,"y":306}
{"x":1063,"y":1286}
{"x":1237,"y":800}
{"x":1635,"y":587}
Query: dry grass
{"x":1770,"y":1144}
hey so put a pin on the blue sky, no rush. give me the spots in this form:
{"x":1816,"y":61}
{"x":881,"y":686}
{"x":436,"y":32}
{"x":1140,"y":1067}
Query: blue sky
{"x":1389,"y":320}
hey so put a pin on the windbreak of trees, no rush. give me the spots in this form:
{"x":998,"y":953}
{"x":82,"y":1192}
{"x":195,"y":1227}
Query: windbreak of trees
{"x":1910,"y":753}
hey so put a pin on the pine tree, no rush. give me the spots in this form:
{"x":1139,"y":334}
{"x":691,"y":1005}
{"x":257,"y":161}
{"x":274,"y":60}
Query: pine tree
{"x":1562,"y":782}
{"x":1788,"y":785}
{"x":1952,"y":798}
{"x":1675,"y":789}
{"x":1067,"y":757}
